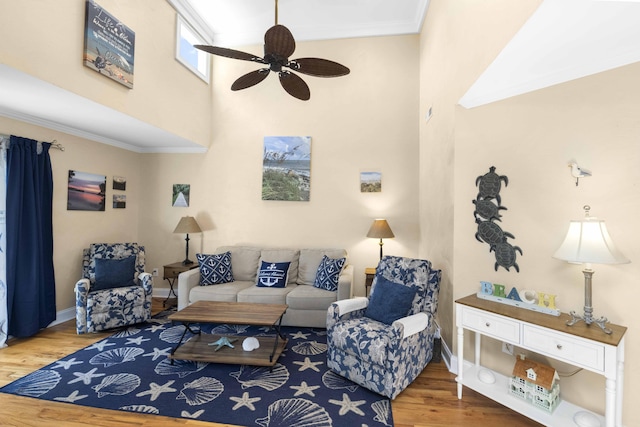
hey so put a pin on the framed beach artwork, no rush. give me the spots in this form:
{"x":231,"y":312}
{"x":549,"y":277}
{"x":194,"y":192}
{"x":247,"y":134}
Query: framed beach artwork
{"x":86,"y":191}
{"x":181,"y":194}
{"x":119,"y":201}
{"x":119,"y":183}
{"x":286,"y":168}
{"x":109,"y":45}
{"x":370,"y":182}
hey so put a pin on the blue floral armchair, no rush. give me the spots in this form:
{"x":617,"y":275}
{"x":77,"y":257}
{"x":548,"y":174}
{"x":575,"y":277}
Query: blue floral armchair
{"x":381,"y":357}
{"x":104,"y":299}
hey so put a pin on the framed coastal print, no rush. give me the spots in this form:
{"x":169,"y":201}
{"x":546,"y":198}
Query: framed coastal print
{"x":286,"y":168}
{"x":181,"y":193}
{"x":109,"y":45}
{"x":370,"y":182}
{"x":86,"y":191}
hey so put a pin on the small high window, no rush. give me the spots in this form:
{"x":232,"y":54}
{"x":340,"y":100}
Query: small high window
{"x":195,"y":60}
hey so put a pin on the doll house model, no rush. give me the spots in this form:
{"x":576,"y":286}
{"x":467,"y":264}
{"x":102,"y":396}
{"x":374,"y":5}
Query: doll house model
{"x":536,"y":383}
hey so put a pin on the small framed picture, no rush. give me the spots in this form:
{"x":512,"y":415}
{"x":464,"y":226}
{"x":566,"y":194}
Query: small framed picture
{"x":119,"y":201}
{"x":119,"y":183}
{"x":181,"y":195}
{"x":370,"y":182}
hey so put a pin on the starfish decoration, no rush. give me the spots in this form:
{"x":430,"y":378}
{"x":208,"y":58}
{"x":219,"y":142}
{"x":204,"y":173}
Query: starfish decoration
{"x":299,"y":334}
{"x":308,"y":364}
{"x":222,"y":342}
{"x":245,"y":400}
{"x":100,"y":345}
{"x":71,"y":398}
{"x":158,"y":353}
{"x":154,"y":328}
{"x":66,"y":364}
{"x":85,"y":377}
{"x":347,"y":405}
{"x":156,"y":390}
{"x":303,"y":388}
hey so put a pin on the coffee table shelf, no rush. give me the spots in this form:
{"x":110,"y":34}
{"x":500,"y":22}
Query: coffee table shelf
{"x":198,"y":349}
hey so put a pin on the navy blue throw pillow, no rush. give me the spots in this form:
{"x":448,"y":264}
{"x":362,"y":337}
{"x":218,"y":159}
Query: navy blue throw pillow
{"x":328,"y":273}
{"x":215,"y":269}
{"x":273,"y":274}
{"x":389,"y":301}
{"x":114,"y":273}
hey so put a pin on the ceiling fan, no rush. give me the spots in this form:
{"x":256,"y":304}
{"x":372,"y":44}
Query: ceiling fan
{"x":279,"y":44}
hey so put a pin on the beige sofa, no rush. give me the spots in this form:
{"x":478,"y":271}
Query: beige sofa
{"x":307,"y":304}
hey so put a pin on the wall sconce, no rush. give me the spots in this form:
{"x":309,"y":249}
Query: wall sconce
{"x":588,"y":242}
{"x":187,"y":224}
{"x":380,"y":230}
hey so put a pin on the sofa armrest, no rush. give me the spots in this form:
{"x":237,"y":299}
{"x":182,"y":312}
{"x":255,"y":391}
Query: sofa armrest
{"x":345,"y":283}
{"x":186,"y":281}
{"x":411,"y":324}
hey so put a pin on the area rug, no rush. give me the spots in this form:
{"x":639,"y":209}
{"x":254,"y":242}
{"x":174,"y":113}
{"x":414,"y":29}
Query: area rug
{"x":130,"y":371}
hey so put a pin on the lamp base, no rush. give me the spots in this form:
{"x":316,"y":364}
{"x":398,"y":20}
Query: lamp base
{"x":575,"y":318}
{"x":187,"y":262}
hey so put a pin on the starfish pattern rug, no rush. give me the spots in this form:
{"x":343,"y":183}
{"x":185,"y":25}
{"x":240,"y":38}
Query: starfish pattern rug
{"x":130,"y":371}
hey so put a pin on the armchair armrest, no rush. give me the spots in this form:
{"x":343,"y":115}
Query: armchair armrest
{"x":187,"y":280}
{"x":146,"y":281}
{"x":348,"y":305}
{"x":410,"y":325}
{"x":345,"y":283}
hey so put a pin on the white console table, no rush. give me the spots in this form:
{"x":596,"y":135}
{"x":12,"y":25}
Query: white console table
{"x":579,"y":345}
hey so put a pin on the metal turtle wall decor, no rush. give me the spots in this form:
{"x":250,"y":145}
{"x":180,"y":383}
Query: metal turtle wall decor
{"x":488,"y":205}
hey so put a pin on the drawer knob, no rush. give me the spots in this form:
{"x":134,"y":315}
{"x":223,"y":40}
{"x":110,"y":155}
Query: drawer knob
{"x":487,"y":324}
{"x":559,"y":346}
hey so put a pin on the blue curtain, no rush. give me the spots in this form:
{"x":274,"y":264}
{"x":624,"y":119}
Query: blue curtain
{"x":31,"y":288}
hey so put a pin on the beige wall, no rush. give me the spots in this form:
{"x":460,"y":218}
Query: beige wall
{"x":530,"y":139}
{"x":361,"y":122}
{"x":46,"y":40}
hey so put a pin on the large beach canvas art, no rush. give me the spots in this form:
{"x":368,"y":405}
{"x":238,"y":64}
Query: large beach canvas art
{"x":286,"y":168}
{"x":86,"y":191}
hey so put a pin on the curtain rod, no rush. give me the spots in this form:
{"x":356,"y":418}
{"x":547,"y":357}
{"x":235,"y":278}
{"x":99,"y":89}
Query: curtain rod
{"x":54,"y":144}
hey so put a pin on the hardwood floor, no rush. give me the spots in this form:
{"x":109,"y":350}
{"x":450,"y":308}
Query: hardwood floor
{"x":430,"y":401}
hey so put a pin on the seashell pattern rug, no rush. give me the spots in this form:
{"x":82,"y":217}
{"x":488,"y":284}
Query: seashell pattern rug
{"x":129,"y":371}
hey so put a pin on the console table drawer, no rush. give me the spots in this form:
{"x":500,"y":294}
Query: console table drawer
{"x":587,"y":354}
{"x":489,"y":324}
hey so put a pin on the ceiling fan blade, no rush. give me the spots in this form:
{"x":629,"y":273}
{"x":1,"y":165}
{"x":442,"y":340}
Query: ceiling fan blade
{"x":319,"y":67}
{"x":229,"y":53}
{"x":250,"y":79}
{"x":279,"y":41}
{"x":294,"y":85}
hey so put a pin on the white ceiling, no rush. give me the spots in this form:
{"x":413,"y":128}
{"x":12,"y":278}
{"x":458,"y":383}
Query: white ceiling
{"x":563,"y":40}
{"x":230,"y":23}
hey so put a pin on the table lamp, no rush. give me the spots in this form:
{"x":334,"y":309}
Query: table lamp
{"x":380,"y":230}
{"x":187,"y":225}
{"x":588,"y":242}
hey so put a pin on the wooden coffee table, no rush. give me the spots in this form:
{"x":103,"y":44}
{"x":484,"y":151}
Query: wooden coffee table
{"x":236,"y":313}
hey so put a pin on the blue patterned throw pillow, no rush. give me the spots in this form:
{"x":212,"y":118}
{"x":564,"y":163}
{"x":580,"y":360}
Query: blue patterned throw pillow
{"x":328,"y":273}
{"x":215,"y":269}
{"x":390,"y":301}
{"x":273,"y":274}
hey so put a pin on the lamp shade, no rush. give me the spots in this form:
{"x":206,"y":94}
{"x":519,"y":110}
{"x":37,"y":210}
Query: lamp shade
{"x":380,"y":230}
{"x":588,"y":241}
{"x":187,"y":224}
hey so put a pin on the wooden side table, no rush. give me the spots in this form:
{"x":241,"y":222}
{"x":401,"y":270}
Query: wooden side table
{"x":171,"y":273}
{"x":368,"y":281}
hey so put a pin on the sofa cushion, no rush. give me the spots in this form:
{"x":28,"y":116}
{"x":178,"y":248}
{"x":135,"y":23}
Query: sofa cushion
{"x":328,"y":273}
{"x":114,"y":273}
{"x":227,"y":292}
{"x":215,"y":269}
{"x":390,"y":301}
{"x":310,"y":298}
{"x":244,"y":261}
{"x":273,"y":274}
{"x":283,"y":255}
{"x":265,"y":295}
{"x":310,"y":261}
